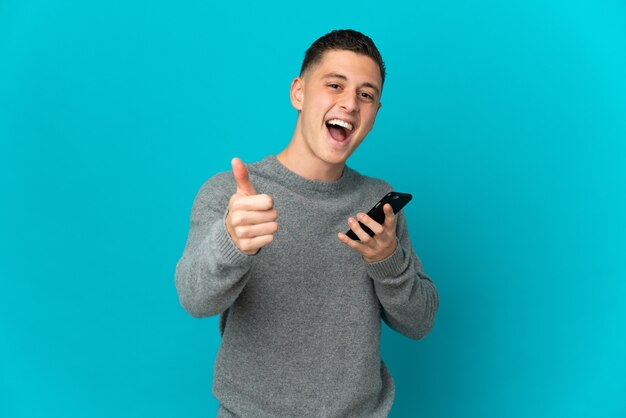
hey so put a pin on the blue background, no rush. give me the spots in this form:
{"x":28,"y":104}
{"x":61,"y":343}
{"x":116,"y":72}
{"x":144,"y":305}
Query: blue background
{"x":506,"y":120}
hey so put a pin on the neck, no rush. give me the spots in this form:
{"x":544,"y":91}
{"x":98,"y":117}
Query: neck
{"x":309,"y":168}
{"x":298,"y":158}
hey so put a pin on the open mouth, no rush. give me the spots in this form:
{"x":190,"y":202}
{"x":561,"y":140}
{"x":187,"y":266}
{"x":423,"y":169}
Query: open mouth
{"x":339,"y":130}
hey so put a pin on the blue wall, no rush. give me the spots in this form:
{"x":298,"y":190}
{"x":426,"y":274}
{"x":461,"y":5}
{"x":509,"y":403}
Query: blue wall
{"x":506,"y":120}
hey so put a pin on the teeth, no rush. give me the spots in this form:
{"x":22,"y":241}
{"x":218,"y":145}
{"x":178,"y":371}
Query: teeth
{"x":341,"y":123}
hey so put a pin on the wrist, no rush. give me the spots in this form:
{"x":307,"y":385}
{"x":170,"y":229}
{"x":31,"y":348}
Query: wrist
{"x":382,"y":256}
{"x":392,"y":266}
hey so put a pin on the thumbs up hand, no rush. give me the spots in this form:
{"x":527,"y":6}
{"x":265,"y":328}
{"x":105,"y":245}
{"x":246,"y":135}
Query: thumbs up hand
{"x":251,"y":219}
{"x":240,"y":172}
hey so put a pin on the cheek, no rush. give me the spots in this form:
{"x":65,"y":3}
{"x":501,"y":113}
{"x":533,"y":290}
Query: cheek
{"x":369,"y":118}
{"x":322,"y":102}
{"x":316,"y":111}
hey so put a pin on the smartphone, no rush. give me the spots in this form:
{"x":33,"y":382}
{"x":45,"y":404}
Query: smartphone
{"x":397,"y":202}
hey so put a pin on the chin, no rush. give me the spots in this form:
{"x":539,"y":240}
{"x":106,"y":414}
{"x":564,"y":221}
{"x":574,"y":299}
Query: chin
{"x":335,"y":158}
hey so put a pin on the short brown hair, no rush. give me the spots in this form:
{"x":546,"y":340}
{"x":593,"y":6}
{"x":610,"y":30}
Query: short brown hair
{"x":343,"y":39}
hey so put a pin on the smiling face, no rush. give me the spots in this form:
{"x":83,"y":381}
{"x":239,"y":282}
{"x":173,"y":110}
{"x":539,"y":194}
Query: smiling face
{"x":337,"y":99}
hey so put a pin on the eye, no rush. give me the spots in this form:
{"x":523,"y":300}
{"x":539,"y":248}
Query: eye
{"x":334,"y":86}
{"x":366,"y":96}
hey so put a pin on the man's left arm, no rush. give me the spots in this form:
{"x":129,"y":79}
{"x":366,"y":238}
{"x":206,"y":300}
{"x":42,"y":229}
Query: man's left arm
{"x":408,"y":298}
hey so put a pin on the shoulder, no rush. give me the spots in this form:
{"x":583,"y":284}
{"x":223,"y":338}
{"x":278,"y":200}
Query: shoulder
{"x":265,"y":168}
{"x":375,"y":185}
{"x":214,"y":193}
{"x":223,"y":183}
{"x":218,"y":184}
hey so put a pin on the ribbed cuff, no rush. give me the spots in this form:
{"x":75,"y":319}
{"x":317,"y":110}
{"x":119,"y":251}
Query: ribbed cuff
{"x":227,"y":248}
{"x":392,"y":266}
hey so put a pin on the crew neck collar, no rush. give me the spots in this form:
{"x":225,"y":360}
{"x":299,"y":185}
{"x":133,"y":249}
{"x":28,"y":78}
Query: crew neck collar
{"x":302,"y":183}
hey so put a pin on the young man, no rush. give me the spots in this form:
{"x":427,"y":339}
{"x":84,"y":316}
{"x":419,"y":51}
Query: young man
{"x":300,"y":302}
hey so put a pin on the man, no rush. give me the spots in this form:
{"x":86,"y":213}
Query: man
{"x":300,"y":302}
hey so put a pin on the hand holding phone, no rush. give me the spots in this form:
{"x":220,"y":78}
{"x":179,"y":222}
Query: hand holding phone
{"x":395,"y":199}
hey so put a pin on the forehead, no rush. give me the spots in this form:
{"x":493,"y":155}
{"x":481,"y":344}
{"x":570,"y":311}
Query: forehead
{"x":358,"y":68}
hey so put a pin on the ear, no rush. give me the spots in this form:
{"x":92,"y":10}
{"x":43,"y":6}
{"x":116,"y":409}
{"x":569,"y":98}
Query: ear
{"x":297,"y":93}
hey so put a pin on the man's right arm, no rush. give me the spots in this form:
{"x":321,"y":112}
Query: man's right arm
{"x":212,"y":271}
{"x":225,"y":231}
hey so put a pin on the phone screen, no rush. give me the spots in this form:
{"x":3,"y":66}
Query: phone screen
{"x":395,"y":199}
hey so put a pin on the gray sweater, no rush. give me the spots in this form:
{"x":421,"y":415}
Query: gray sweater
{"x":300,"y":321}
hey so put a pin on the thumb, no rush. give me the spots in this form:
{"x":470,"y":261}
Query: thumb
{"x":240,"y":172}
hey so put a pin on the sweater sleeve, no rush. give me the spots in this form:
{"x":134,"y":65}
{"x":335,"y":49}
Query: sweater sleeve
{"x":212,"y":271}
{"x":408,"y":297}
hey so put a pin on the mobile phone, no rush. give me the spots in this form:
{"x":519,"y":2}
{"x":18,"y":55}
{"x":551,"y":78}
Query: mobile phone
{"x":397,"y":202}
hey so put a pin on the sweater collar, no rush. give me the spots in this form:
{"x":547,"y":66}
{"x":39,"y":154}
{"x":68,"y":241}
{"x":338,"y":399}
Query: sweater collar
{"x":298,"y":183}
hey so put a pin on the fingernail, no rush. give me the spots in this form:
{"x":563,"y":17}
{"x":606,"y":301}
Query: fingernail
{"x":360,"y":216}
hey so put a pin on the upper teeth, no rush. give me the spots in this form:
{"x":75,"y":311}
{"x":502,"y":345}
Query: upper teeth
{"x":341,"y":123}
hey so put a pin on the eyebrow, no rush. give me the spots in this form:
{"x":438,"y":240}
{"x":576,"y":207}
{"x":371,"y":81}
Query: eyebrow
{"x":343,"y":77}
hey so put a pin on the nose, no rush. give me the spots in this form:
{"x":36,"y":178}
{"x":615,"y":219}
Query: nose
{"x":349,"y":102}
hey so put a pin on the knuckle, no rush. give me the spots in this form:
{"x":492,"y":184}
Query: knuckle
{"x":236,"y":218}
{"x":240,"y":231}
{"x":235,"y":203}
{"x":246,"y":245}
{"x":267,"y":201}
